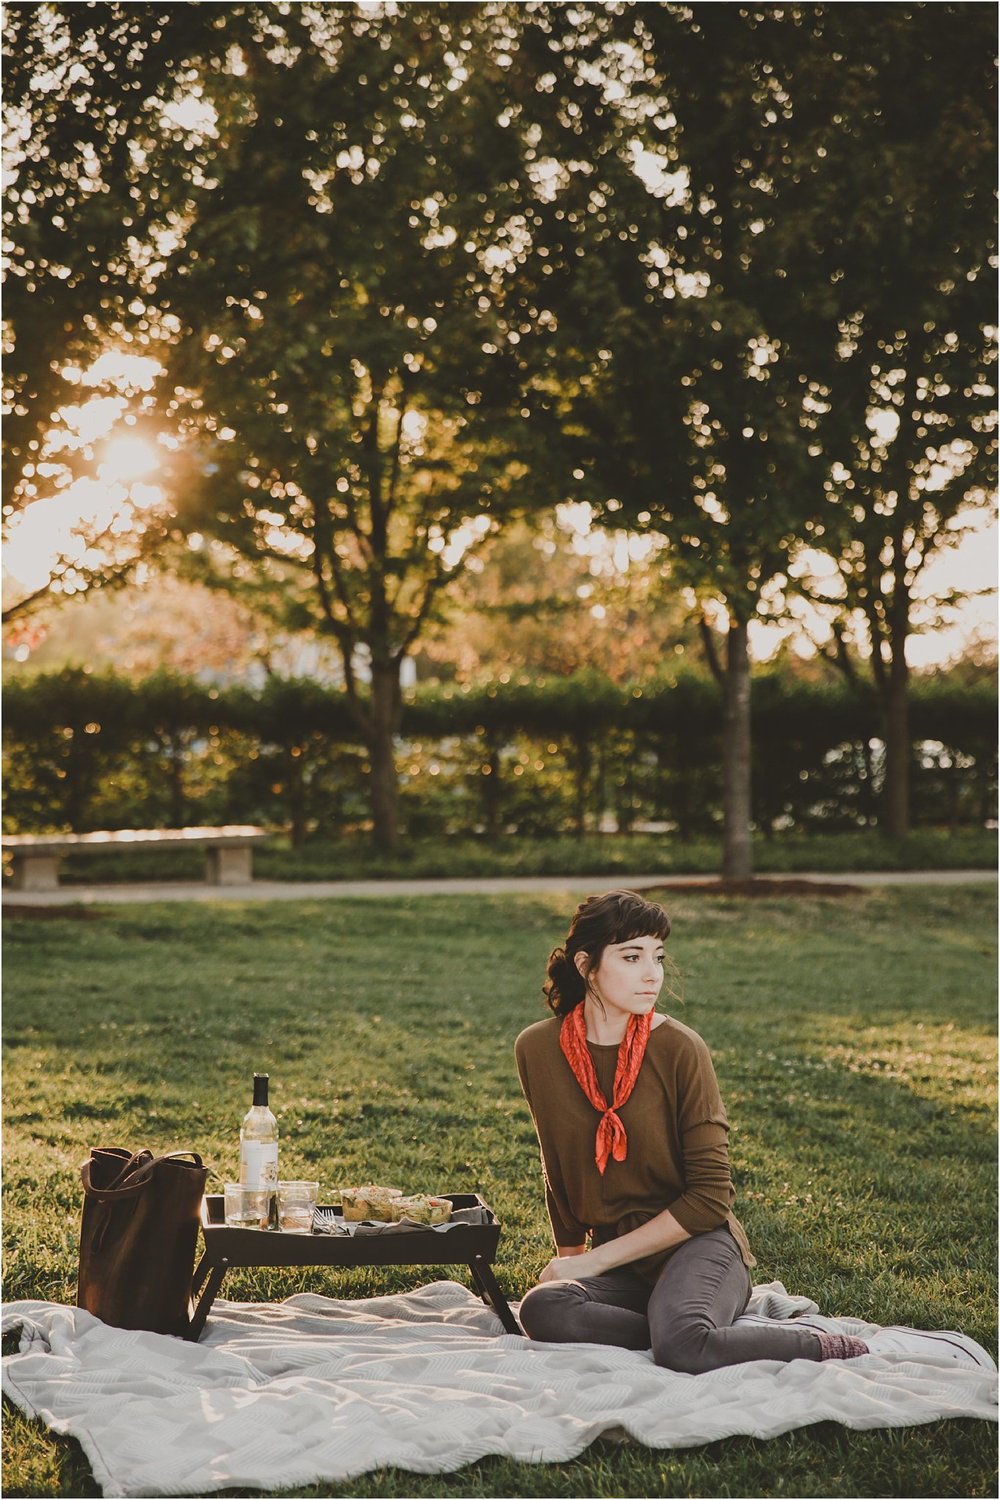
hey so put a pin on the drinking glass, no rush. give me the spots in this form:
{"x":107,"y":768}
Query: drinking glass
{"x":246,"y":1207}
{"x":296,"y":1206}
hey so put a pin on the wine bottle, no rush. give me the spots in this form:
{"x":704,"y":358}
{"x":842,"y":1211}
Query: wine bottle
{"x":259,"y":1140}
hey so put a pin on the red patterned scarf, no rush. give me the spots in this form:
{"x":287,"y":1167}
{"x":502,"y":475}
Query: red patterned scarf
{"x":611,"y":1137}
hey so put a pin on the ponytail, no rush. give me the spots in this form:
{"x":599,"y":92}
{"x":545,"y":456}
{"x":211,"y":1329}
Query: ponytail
{"x":565,"y":986}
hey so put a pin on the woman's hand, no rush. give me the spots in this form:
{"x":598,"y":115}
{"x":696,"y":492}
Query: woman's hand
{"x":567,"y":1266}
{"x":560,"y":1268}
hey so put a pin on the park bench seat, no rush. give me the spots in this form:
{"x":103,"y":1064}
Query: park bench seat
{"x":228,"y":851}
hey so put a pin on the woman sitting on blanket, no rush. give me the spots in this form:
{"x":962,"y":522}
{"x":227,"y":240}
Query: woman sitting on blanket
{"x":633,"y":1137}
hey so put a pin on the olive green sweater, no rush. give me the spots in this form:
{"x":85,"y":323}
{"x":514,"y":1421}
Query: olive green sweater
{"x":678,"y":1153}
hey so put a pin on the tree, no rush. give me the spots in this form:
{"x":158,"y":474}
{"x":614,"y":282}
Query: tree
{"x":86,"y":91}
{"x":345,"y":365}
{"x":695,"y":416}
{"x":371,"y":188}
{"x":909,"y":246}
{"x":710,"y":409}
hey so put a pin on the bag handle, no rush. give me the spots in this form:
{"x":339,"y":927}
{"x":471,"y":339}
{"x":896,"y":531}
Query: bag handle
{"x":134,"y":1176}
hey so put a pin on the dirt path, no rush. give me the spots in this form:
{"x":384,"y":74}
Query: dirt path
{"x":327,"y":890}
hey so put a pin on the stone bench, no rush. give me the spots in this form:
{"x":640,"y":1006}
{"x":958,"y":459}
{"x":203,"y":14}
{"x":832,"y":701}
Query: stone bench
{"x":228,"y":851}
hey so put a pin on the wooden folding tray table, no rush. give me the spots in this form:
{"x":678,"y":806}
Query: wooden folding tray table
{"x":227,"y":1247}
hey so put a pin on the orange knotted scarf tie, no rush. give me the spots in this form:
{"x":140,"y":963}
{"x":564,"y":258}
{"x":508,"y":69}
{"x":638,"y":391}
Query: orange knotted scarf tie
{"x":611,"y":1137}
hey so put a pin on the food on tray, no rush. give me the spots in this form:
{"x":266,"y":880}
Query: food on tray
{"x":369,"y":1202}
{"x":424,"y":1209}
{"x":388,"y":1205}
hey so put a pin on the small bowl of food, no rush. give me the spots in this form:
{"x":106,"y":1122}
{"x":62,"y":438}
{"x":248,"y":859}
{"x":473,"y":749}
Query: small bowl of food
{"x":370,"y":1202}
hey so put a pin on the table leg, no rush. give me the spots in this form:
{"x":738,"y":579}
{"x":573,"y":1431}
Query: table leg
{"x":489,"y":1288}
{"x":215,"y":1274}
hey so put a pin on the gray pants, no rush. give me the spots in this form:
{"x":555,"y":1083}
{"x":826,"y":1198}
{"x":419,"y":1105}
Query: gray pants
{"x":685,"y":1316}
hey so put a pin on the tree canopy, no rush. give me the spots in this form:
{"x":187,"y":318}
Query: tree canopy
{"x":810,"y":263}
{"x":908,"y":244}
{"x":88,"y":89}
{"x":413,"y":271}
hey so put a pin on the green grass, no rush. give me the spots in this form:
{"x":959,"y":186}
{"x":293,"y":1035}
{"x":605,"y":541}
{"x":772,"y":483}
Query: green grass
{"x":855,"y":1040}
{"x":355,"y":859}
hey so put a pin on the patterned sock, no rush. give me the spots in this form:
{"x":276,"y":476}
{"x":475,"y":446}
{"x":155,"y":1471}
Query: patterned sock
{"x":840,"y":1345}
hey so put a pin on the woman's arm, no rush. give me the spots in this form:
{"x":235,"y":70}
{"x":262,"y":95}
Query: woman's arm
{"x":565,"y":1228}
{"x":703,"y":1202}
{"x":660,"y":1233}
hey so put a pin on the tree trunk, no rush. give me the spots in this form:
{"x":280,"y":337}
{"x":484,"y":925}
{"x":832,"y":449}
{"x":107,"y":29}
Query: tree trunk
{"x":386,"y":703}
{"x":737,"y":850}
{"x":896,"y":727}
{"x":74,"y":782}
{"x":625,"y":793}
{"x":581,"y":779}
{"x":868,"y":799}
{"x":489,"y":784}
{"x":175,"y":762}
{"x":297,"y":799}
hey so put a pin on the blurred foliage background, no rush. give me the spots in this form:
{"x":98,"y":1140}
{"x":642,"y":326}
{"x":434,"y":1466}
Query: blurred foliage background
{"x":394,"y":344}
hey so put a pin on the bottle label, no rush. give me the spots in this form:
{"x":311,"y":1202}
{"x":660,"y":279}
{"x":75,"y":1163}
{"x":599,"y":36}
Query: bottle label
{"x":258,"y":1163}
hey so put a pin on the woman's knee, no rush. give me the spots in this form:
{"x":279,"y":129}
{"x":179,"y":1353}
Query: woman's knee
{"x":701,"y":1291}
{"x":684,"y":1344}
{"x":543,"y":1311}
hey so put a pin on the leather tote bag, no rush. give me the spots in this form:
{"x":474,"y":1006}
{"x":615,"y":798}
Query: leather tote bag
{"x":138,"y":1235}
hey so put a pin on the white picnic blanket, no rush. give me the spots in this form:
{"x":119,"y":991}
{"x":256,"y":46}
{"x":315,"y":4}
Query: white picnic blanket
{"x":280,"y":1395}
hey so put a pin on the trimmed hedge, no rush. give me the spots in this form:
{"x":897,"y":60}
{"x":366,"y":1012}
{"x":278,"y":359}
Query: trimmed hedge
{"x":541,"y":757}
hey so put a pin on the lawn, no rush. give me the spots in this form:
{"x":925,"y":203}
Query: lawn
{"x":854,"y":1037}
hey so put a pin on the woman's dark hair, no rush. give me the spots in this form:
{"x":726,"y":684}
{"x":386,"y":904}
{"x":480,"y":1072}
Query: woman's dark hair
{"x":614,"y":917}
